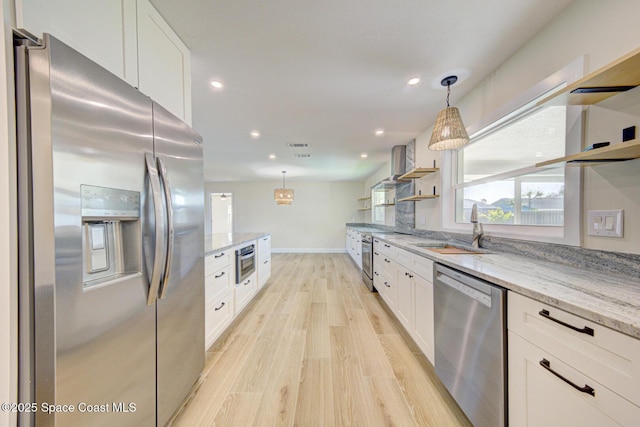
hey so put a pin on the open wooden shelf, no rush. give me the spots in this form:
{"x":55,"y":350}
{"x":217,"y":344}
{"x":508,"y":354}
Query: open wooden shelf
{"x":619,"y":152}
{"x":604,"y":83}
{"x":365,"y":198}
{"x":386,"y":204}
{"x":419,"y":197}
{"x":364,"y":209}
{"x":417,"y":173}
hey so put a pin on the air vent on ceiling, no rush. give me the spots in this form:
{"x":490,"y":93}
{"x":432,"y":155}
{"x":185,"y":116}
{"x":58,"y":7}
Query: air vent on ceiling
{"x":298,"y":145}
{"x":302,"y":156}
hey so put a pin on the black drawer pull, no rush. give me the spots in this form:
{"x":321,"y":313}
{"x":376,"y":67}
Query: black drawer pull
{"x":386,"y":260}
{"x":388,"y":286}
{"x":218,"y":308}
{"x":376,"y":253}
{"x":266,"y":262}
{"x":376,"y":273}
{"x":220,"y":255}
{"x":247,"y":282}
{"x":586,"y":330}
{"x":586,"y":389}
{"x":386,"y":246}
{"x":219,"y":275}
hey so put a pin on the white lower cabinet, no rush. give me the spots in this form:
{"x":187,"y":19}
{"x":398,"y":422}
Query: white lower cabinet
{"x":264,"y":260}
{"x":565,"y":370}
{"x":406,"y":301}
{"x":404,"y":281}
{"x":218,"y":294}
{"x":218,"y":316}
{"x":539,"y":398}
{"x":245,"y":290}
{"x":423,"y":316}
{"x":224,"y":298}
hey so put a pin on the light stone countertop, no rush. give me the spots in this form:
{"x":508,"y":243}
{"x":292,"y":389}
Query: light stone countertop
{"x":606,"y":299}
{"x":221,"y":241}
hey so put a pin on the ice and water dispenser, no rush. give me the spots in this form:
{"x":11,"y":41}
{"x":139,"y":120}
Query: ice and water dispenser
{"x":110,"y":234}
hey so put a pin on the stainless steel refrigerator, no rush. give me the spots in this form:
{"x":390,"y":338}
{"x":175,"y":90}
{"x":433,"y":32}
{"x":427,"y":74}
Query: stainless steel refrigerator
{"x":111,"y":292}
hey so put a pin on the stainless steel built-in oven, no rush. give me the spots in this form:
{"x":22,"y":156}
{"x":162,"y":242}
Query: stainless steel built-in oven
{"x":245,"y":262}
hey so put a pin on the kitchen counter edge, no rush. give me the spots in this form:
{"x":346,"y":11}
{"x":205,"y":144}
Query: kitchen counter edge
{"x":220,"y":242}
{"x":609,"y":300}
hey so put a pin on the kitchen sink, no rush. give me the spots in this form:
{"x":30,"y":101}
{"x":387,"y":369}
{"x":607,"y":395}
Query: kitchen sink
{"x":430,"y":245}
{"x":443,"y":248}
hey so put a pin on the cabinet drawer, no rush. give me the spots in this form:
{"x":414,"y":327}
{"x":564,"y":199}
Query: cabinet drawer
{"x":218,"y":282}
{"x":217,"y":261}
{"x":607,"y":356}
{"x":418,"y":264}
{"x":244,"y":292}
{"x":217,"y":317}
{"x":264,"y":270}
{"x":385,"y":248}
{"x":264,"y":245}
{"x":538,"y":397}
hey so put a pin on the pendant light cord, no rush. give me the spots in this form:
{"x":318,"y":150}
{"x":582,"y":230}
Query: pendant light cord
{"x":448,"y":92}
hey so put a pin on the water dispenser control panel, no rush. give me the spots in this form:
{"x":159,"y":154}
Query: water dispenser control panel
{"x":102,"y":202}
{"x":110,"y":237}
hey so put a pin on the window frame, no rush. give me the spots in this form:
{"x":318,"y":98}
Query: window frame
{"x":570,"y":232}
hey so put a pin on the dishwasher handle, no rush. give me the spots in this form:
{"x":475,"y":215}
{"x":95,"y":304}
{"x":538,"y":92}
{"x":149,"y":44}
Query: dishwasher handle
{"x":466,"y":288}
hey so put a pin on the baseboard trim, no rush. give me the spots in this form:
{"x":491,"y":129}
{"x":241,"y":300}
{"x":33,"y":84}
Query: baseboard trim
{"x":308,"y":251}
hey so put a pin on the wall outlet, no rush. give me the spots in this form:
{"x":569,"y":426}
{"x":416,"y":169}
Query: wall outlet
{"x":423,"y":220}
{"x":605,"y":223}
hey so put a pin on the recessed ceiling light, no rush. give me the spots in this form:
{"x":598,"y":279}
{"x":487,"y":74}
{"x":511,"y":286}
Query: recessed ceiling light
{"x":272,"y":156}
{"x":255,"y":134}
{"x":363,"y":155}
{"x":380,"y":132}
{"x":217,"y":84}
{"x":414,"y":81}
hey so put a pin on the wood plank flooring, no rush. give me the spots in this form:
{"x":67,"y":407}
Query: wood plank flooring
{"x":316,"y":348}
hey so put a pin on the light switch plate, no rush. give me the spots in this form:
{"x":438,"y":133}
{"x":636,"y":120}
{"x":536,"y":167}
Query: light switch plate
{"x":605,"y":223}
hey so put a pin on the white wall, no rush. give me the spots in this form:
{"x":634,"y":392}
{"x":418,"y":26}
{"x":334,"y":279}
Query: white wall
{"x":315,"y":222}
{"x":603,"y":31}
{"x":8,"y":249}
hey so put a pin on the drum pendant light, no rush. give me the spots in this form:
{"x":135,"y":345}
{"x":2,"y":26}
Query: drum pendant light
{"x":449,"y":132}
{"x":283,"y":196}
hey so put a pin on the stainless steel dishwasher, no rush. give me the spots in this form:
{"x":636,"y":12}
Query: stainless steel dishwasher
{"x":470,"y":344}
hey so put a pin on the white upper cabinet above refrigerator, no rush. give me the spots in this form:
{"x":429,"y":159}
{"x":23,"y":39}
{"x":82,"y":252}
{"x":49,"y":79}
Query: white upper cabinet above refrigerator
{"x":164,"y":63}
{"x":129,"y":38}
{"x":104,"y":31}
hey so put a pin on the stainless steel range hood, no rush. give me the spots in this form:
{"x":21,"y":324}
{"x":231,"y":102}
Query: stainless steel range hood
{"x":398,"y":166}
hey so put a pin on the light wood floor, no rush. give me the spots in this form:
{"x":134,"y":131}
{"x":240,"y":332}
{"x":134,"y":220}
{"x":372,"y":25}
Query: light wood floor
{"x":316,"y":348}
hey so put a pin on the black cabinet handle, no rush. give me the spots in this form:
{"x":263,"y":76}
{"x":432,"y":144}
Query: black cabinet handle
{"x":388,"y":286}
{"x":386,"y":260}
{"x":586,"y":389}
{"x":386,"y":246}
{"x":220,"y":255}
{"x":266,"y":262}
{"x":219,"y":275}
{"x":376,"y":253}
{"x":376,"y":273}
{"x":218,"y":308}
{"x":247,"y":282}
{"x":586,"y":330}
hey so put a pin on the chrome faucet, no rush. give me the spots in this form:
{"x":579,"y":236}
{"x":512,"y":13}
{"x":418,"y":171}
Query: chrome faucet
{"x":477,"y":227}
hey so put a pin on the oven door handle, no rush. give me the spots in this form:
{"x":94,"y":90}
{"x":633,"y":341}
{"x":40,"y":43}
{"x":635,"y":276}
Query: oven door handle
{"x":242,"y":258}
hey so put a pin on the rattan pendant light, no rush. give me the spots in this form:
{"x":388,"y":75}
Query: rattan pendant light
{"x":449,"y":132}
{"x":283,"y":196}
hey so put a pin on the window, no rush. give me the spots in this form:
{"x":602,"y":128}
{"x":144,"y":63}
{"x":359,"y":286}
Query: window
{"x":497,"y":169}
{"x":494,"y":171}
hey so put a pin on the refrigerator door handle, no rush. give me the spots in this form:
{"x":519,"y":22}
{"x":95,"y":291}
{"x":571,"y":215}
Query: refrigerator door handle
{"x":169,"y":204}
{"x":160,"y":246}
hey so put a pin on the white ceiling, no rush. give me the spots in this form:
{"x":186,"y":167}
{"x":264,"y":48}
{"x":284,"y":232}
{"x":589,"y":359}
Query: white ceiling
{"x":331,"y":72}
